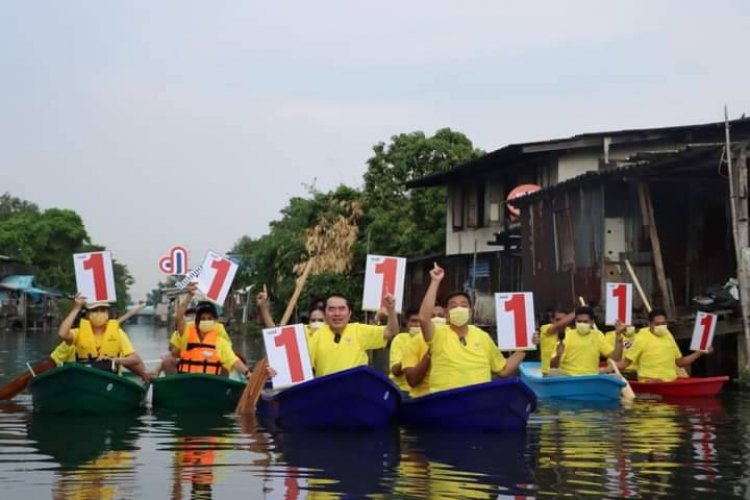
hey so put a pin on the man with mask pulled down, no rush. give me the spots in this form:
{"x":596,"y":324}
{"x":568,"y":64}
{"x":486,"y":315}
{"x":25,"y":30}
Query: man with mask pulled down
{"x":460,"y":353}
{"x":98,"y":341}
{"x":578,"y":353}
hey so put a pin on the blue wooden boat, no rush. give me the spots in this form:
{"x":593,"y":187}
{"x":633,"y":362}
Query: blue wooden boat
{"x":499,"y":405}
{"x":572,"y":388}
{"x":359,"y":398}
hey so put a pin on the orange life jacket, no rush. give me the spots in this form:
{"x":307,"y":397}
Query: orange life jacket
{"x":200,"y":356}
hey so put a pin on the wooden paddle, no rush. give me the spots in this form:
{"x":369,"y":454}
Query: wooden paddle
{"x":18,"y":384}
{"x":251,"y":394}
{"x":628,"y":394}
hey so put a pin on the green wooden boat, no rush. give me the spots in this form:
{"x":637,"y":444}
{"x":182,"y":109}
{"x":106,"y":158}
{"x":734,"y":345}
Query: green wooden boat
{"x":196,"y":391}
{"x":76,"y":389}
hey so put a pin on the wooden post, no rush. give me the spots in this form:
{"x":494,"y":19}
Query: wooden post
{"x":741,"y":228}
{"x":648,"y":217}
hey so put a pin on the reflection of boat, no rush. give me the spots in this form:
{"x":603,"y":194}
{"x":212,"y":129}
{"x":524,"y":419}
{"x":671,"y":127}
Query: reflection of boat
{"x":474,"y":464}
{"x":499,"y":405}
{"x":577,"y":388}
{"x":360,"y":398}
{"x":693,"y":387}
{"x":83,"y":390}
{"x":196,"y":391}
{"x":76,"y":440}
{"x":355,"y":464}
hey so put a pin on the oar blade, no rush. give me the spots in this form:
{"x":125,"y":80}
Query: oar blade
{"x":18,"y":384}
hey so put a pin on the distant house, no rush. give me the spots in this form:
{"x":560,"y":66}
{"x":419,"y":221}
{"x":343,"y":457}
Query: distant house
{"x":572,"y":235}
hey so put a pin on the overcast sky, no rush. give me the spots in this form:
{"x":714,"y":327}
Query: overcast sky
{"x":178,"y":122}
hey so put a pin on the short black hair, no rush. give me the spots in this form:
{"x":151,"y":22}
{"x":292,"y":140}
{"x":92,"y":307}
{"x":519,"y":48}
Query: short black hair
{"x":203,"y":307}
{"x":656,"y":312}
{"x":585,"y":310}
{"x":456,"y":294}
{"x":317,"y":307}
{"x":339,"y":296}
{"x":190,"y":310}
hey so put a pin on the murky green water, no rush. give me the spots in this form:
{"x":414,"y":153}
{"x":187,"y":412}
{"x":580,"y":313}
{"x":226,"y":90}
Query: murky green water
{"x":701,"y":448}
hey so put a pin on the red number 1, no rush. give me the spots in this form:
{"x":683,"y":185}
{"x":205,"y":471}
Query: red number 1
{"x":388,"y":269}
{"x":222,"y":268}
{"x":288,"y":340}
{"x":706,"y":322}
{"x":95,"y":263}
{"x":517,"y":305}
{"x":620,"y":292}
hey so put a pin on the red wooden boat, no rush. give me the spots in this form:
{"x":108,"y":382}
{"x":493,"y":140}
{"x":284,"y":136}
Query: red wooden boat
{"x":693,"y":387}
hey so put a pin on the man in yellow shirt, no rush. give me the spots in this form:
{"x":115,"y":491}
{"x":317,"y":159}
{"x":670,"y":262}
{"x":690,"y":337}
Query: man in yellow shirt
{"x":399,"y":345}
{"x":655,"y":352}
{"x":579,"y":352}
{"x":340,"y":345}
{"x":98,"y":340}
{"x":460,"y":354}
{"x":549,"y":334}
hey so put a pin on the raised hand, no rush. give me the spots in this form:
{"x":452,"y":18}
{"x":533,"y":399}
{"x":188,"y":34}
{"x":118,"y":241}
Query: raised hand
{"x":390,"y":303}
{"x":79,"y":300}
{"x":437,"y":273}
{"x":262,"y":297}
{"x":192,"y":289}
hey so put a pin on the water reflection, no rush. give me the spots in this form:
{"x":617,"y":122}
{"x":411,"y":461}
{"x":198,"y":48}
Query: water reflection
{"x":95,"y":455}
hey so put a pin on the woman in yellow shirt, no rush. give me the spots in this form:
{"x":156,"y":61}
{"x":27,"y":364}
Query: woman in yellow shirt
{"x":99,"y":340}
{"x":460,"y":354}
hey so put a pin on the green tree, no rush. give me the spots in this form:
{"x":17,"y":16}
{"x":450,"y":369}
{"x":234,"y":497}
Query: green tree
{"x":403,"y":222}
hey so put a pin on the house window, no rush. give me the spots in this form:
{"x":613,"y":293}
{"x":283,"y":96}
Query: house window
{"x":474,"y":196}
{"x":457,"y":206}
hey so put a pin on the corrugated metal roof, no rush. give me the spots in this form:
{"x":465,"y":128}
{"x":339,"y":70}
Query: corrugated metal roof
{"x":522,"y":153}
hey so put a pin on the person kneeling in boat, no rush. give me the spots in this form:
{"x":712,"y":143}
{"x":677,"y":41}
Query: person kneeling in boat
{"x":202,"y":349}
{"x":98,"y":341}
{"x":655,"y":351}
{"x":578,"y":353}
{"x":460,"y":354}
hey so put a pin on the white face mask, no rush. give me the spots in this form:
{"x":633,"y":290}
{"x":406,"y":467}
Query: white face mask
{"x":316,"y":325}
{"x":206,"y":326}
{"x":438,"y":321}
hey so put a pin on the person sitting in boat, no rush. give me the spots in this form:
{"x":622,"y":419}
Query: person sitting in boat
{"x":460,"y":354}
{"x":416,"y":361}
{"x":655,"y":351}
{"x":559,"y":320}
{"x":98,"y":341}
{"x":316,"y":315}
{"x":399,"y":345}
{"x":202,"y":349}
{"x":579,"y":352}
{"x":628,"y":334}
{"x":340,"y":345}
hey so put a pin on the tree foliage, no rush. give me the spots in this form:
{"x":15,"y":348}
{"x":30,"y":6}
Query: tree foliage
{"x":46,"y":240}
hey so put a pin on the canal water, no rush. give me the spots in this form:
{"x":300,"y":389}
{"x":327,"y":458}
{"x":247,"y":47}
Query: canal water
{"x":697,"y":449}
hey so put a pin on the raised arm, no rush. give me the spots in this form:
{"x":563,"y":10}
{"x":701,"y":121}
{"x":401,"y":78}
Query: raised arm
{"x":265,"y":312}
{"x":122,"y":319}
{"x":688,"y":360}
{"x":67,"y":325}
{"x":428,"y":302}
{"x":393,"y":326}
{"x":179,"y":315}
{"x":559,"y":326}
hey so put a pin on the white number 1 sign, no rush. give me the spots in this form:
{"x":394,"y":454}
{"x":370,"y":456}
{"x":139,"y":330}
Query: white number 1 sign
{"x":216,"y":276}
{"x":703,"y":331}
{"x":515,"y":321}
{"x":619,"y":303}
{"x":286,"y":349}
{"x":383,"y":276}
{"x":95,"y":278}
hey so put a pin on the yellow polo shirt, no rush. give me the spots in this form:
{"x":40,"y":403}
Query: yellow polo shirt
{"x":457,"y":365}
{"x":396,"y":356}
{"x":654,"y":355}
{"x":328,"y":357}
{"x":582,"y":352}
{"x":415,"y":350}
{"x":547,"y":343}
